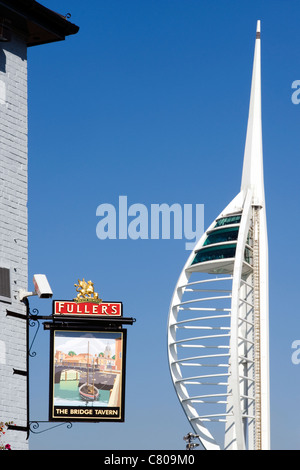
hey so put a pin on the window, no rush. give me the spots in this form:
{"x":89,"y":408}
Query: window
{"x":233,"y":219}
{"x":248,"y":256}
{"x":4,"y":284}
{"x":222,"y":235}
{"x":216,"y":252}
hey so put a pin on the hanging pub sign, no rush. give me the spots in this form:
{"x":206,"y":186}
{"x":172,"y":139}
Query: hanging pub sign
{"x":87,"y":304}
{"x":87,"y":359}
{"x":87,"y":375}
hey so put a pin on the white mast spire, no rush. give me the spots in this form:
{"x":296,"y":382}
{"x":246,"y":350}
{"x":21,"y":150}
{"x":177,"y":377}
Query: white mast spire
{"x":253,"y":156}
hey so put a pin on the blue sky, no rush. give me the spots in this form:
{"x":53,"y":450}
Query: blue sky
{"x":150,"y":100}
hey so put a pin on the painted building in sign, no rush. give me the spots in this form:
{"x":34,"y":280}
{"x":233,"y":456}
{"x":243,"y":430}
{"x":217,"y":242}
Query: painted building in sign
{"x":103,"y":361}
{"x":23,"y":24}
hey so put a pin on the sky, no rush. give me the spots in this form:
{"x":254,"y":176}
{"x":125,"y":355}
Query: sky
{"x":149,"y":100}
{"x":87,"y":343}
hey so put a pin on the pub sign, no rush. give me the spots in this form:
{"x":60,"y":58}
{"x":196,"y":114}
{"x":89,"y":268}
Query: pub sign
{"x":87,"y":375}
{"x":87,"y":359}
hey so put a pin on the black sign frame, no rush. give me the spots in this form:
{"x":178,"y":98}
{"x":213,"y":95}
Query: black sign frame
{"x":89,"y":411}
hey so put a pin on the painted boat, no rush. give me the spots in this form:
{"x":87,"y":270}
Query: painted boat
{"x":88,"y":392}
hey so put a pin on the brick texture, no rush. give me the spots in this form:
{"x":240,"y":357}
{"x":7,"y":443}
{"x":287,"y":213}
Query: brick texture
{"x":13,"y":235}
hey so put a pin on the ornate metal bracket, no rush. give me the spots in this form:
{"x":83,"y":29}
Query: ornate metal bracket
{"x":34,"y":425}
{"x":32,"y":322}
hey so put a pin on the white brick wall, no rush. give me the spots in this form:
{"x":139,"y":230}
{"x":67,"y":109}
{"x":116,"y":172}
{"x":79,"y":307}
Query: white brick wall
{"x":13,"y":234}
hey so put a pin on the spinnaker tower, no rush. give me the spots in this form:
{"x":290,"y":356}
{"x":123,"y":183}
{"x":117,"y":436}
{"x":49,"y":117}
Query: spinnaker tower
{"x":218,"y":326}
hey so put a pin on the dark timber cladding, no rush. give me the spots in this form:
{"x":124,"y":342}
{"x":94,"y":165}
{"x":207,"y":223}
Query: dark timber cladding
{"x":36,"y":23}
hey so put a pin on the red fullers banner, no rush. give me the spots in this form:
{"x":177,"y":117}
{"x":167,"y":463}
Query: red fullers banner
{"x":103,"y":309}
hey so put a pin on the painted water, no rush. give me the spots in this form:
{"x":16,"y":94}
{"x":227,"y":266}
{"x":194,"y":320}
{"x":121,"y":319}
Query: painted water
{"x":66,"y":393}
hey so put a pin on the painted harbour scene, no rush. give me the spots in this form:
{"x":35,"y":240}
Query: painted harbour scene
{"x":87,"y":369}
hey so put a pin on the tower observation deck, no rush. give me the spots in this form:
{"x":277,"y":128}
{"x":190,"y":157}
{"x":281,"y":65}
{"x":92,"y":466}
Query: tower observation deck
{"x":218,"y":326}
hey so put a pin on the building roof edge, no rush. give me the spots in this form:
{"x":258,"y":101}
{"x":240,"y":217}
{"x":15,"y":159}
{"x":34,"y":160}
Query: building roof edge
{"x":38,"y":24}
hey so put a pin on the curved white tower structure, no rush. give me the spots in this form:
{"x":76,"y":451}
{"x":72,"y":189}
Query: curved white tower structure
{"x":218,"y":344}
